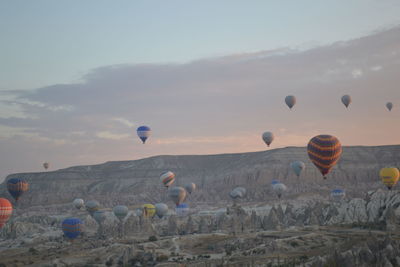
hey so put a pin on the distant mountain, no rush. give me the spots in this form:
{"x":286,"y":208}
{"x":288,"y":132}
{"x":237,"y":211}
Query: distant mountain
{"x":137,"y":181}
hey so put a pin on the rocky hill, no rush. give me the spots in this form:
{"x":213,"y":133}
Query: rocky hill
{"x":137,"y":181}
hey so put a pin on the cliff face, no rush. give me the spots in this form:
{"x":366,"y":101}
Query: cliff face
{"x":132,"y":182}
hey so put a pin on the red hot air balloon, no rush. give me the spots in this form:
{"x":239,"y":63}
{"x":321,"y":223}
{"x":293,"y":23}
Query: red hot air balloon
{"x":324,"y":151}
{"x":5,"y":211}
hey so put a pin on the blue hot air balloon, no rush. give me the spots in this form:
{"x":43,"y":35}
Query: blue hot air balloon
{"x":143,"y":132}
{"x":182,"y":209}
{"x":16,"y":187}
{"x":72,"y":227}
{"x":338,"y":194}
{"x":274,"y":182}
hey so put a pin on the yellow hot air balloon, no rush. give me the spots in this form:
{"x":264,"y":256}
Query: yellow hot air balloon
{"x":389,"y":176}
{"x":149,"y":210}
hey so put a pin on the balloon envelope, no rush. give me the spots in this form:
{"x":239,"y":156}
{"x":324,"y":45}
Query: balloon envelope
{"x":338,"y":194}
{"x":161,"y":209}
{"x":182,"y":209}
{"x":297,"y":167}
{"x":389,"y":106}
{"x":100,"y":216}
{"x":72,"y":227}
{"x":92,"y":206}
{"x":143,"y":132}
{"x":149,"y":210}
{"x":5,"y":211}
{"x":78,"y":203}
{"x":167,"y":178}
{"x":46,"y":165}
{"x":279,"y":188}
{"x":389,"y":176}
{"x":290,"y":101}
{"x":324,"y":151}
{"x":268,"y":137}
{"x":120,"y":211}
{"x":16,"y":187}
{"x":177,"y":194}
{"x":190,"y":187}
{"x":274,"y":182}
{"x":238,"y":192}
{"x":139,"y":212}
{"x":346,"y":100}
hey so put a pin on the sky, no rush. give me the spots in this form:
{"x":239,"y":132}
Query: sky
{"x":78,"y":77}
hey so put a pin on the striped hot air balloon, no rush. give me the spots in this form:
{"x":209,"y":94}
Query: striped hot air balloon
{"x":324,"y":151}
{"x":167,"y":178}
{"x":72,"y":227}
{"x":338,"y":194}
{"x":389,"y":177}
{"x":143,"y":132}
{"x":5,"y":211}
{"x":16,"y":187}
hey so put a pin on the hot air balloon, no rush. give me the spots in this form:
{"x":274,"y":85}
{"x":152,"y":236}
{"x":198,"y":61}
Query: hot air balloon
{"x":279,"y":188}
{"x":177,"y":194}
{"x":78,"y":203}
{"x":167,"y":178}
{"x":338,"y":194}
{"x":143,"y":132}
{"x":190,"y":187}
{"x":346,"y":100}
{"x":324,"y":151}
{"x":268,"y":137}
{"x":72,"y":227}
{"x":297,"y":167}
{"x":161,"y":209}
{"x":274,"y":182}
{"x":149,"y":210}
{"x":290,"y":101}
{"x":139,"y":212}
{"x":389,"y":176}
{"x":92,"y":206}
{"x":238,"y":192}
{"x":389,"y":106}
{"x":182,"y":209}
{"x":100,"y":216}
{"x":5,"y":211}
{"x":16,"y":187}
{"x":46,"y":165}
{"x":120,"y":212}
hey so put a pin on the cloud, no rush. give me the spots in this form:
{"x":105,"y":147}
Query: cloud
{"x":214,"y":105}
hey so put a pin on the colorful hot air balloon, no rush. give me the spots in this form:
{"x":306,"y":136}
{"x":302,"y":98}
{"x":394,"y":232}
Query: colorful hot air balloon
{"x":167,"y":178}
{"x":92,"y":206}
{"x":16,"y":187}
{"x":338,"y":194}
{"x":143,"y":132}
{"x":324,"y":151}
{"x":72,"y":227}
{"x":290,"y":101}
{"x":268,"y":137}
{"x":5,"y":211}
{"x":78,"y":203}
{"x":190,"y":187}
{"x":389,"y":176}
{"x":297,"y":167}
{"x":389,"y":106}
{"x":149,"y":210}
{"x":346,"y":100}
{"x":161,"y":209}
{"x":279,"y":188}
{"x":177,"y":194}
{"x":120,"y":211}
{"x":46,"y":165}
{"x":182,"y":209}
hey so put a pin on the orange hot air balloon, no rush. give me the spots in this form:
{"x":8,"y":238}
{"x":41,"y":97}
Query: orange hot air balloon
{"x":5,"y":211}
{"x":324,"y":151}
